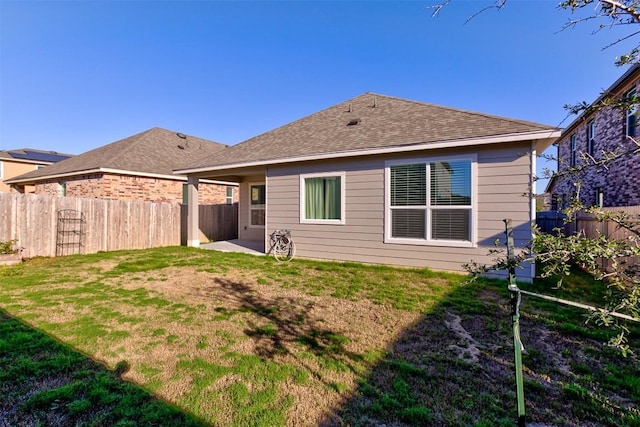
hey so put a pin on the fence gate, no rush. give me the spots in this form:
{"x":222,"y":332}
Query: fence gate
{"x":70,"y":235}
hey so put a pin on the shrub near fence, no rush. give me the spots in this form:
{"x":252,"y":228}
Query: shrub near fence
{"x":588,"y":225}
{"x":108,"y":224}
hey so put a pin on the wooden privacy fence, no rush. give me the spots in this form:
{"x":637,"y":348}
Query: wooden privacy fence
{"x":107,"y":225}
{"x":589,"y":225}
{"x":216,"y":222}
{"x":547,"y":221}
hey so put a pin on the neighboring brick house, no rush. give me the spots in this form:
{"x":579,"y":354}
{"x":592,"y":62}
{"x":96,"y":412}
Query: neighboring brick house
{"x":590,"y":139}
{"x":22,"y":160}
{"x":136,"y":168}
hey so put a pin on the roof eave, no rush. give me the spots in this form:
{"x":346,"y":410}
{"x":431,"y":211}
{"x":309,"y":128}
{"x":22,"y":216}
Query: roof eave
{"x":543,"y":139}
{"x":625,"y":78}
{"x":34,"y":180}
{"x":550,"y":183}
{"x":28,"y":161}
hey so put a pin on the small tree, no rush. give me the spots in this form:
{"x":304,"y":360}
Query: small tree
{"x":602,"y":256}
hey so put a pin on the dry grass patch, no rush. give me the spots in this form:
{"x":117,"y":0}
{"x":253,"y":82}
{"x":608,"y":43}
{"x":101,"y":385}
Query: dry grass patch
{"x":214,"y":341}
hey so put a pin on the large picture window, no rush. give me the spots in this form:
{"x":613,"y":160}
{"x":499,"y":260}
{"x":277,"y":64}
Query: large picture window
{"x":322,"y":198}
{"x":257,"y":209}
{"x":430,"y":201}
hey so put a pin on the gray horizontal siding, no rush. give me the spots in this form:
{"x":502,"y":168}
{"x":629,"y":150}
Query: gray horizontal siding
{"x":503,"y":177}
{"x":503,"y":186}
{"x":510,"y":188}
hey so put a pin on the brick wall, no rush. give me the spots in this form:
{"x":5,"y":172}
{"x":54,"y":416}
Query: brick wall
{"x":125,"y":187}
{"x":619,"y":181}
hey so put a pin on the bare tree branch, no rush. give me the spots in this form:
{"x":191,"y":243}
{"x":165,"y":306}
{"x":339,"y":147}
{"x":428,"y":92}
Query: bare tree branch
{"x":438,"y":7}
{"x":628,"y":9}
{"x":621,"y":39}
{"x":498,"y":5}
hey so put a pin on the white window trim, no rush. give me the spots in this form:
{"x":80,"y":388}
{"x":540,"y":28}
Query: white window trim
{"x":591,"y":137}
{"x":342,"y":220}
{"x":631,"y":112}
{"x":229,"y":198}
{"x":473,"y":158}
{"x":251,"y":184}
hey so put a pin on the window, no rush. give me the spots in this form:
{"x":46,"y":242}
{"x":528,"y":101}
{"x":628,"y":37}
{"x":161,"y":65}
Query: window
{"x":591,"y":137}
{"x":563,"y":202}
{"x":574,"y":150}
{"x":322,"y":198}
{"x":430,"y":201}
{"x":62,"y":187}
{"x":229,"y":195}
{"x":258,"y":196}
{"x":632,"y":114}
{"x":599,"y":198}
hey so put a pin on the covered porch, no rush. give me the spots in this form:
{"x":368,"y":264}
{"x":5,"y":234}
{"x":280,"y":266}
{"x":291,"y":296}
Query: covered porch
{"x":251,"y":209}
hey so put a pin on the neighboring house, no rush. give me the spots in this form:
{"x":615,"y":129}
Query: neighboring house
{"x":591,"y":138}
{"x":543,"y":202}
{"x":20,"y":161}
{"x":135,"y":168}
{"x":379,"y":179}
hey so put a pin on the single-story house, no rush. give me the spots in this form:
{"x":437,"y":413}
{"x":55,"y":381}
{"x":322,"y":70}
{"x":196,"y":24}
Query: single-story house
{"x":22,"y":160}
{"x":378,"y":179}
{"x":139,"y":167}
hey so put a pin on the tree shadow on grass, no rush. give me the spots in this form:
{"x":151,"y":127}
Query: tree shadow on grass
{"x":44,"y":382}
{"x":455,"y":368}
{"x":285,"y":321}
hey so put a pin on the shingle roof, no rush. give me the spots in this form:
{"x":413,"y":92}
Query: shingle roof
{"x":155,"y":151}
{"x":368,"y":121}
{"x":33,"y":155}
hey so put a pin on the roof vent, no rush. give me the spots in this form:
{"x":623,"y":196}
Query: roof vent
{"x":181,"y":135}
{"x":181,"y":147}
{"x":353,"y":122}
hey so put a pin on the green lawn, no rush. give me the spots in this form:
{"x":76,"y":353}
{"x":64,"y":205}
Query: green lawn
{"x":188,"y":336}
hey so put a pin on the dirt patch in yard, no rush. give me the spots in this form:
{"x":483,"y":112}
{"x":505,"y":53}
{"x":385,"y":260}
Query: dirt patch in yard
{"x":334,"y":340}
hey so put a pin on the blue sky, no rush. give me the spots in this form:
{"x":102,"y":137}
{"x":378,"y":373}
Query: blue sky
{"x":81,"y":74}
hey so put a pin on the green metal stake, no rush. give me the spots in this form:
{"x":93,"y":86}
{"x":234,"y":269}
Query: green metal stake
{"x":515,"y":312}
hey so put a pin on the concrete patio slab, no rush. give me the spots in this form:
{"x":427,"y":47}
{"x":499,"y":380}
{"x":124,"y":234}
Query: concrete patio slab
{"x":244,"y":246}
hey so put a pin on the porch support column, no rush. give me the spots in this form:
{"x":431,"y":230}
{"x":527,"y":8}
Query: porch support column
{"x":193,"y":224}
